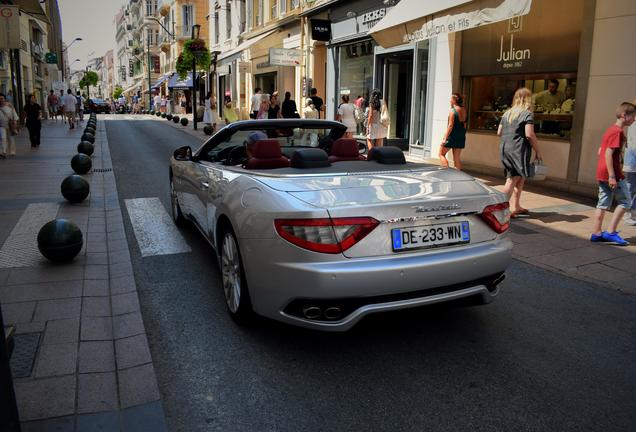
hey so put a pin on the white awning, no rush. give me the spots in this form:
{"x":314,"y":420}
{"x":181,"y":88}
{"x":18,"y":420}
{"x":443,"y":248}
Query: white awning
{"x":245,"y":45}
{"x":414,"y":20}
{"x":131,"y":88}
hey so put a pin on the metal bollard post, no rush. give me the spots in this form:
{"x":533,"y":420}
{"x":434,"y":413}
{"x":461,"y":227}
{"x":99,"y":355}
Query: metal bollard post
{"x":9,"y":417}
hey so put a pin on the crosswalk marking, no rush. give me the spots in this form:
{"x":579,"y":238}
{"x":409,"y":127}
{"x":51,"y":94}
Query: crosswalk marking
{"x":155,"y":232}
{"x":21,"y":247}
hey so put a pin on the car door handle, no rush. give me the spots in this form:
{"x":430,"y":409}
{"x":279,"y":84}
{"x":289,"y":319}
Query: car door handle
{"x":205,"y":185}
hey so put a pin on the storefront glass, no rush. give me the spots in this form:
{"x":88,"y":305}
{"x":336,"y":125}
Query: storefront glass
{"x":419,"y":106}
{"x":356,"y":70}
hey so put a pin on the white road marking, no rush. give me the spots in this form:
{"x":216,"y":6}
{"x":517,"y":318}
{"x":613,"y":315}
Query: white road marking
{"x":21,"y":247}
{"x":155,"y":232}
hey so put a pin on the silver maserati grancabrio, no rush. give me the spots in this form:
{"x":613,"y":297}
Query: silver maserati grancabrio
{"x":310,"y":231}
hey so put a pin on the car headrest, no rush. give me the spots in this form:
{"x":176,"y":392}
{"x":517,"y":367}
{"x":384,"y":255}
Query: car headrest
{"x":265,"y":149}
{"x":345,"y":147}
{"x":387,"y":155}
{"x":310,"y":158}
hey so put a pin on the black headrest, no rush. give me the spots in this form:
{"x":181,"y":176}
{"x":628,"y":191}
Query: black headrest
{"x":387,"y":155}
{"x":310,"y":158}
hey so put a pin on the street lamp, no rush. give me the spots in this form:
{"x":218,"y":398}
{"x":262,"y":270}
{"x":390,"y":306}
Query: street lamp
{"x":62,"y":56}
{"x":195,"y":35}
{"x":68,"y":45}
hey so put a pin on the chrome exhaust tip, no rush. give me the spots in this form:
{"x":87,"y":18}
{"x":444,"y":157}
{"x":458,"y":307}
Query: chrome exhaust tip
{"x":333,"y":313}
{"x":312,"y":312}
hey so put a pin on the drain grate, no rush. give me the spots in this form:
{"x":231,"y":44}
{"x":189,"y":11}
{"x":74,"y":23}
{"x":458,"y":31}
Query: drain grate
{"x":102,"y":170}
{"x":26,"y":345}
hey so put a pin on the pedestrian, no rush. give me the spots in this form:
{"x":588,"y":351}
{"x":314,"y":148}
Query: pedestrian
{"x":317,"y":100}
{"x":182,"y":104}
{"x":9,"y":97}
{"x":52,"y":101}
{"x":263,"y":108}
{"x":33,"y":113}
{"x":207,"y":112}
{"x":346,"y":116}
{"x":289,"y":109}
{"x":80,"y":106}
{"x":310,"y":112}
{"x":516,"y":130}
{"x":629,"y":169}
{"x":610,"y":178}
{"x":273,"y":112}
{"x":229,"y":112}
{"x":377,"y":120}
{"x":70,"y":104}
{"x":255,"y":103}
{"x":8,"y":127}
{"x":455,"y":135}
{"x":60,"y":102}
{"x":156,"y":102}
{"x":163,"y":102}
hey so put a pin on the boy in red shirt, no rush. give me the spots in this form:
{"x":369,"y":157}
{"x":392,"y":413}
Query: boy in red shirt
{"x":611,"y":181}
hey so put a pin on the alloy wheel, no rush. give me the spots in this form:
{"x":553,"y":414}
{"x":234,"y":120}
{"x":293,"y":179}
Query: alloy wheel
{"x":231,"y":271}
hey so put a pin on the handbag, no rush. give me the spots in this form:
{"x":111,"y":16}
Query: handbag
{"x":538,"y":170}
{"x":358,"y":114}
{"x":385,"y":120}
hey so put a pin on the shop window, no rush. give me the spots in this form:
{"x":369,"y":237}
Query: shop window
{"x":356,"y":73}
{"x":491,"y":96}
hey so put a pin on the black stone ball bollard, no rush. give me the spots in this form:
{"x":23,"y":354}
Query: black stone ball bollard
{"x":207,"y":129}
{"x":152,"y":112}
{"x":163,"y":115}
{"x":92,"y":126}
{"x":86,"y":148}
{"x":60,"y":240}
{"x":90,"y":130}
{"x":158,"y":113}
{"x":75,"y":189}
{"x":88,"y":137}
{"x":169,"y":117}
{"x":184,"y":121}
{"x":175,"y":119}
{"x":81,"y":163}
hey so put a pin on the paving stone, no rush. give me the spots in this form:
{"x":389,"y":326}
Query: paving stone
{"x":61,"y":424}
{"x":127,"y":325}
{"x":626,"y":263}
{"x":125,"y":303}
{"x":46,"y":398}
{"x":122,"y":285}
{"x":32,"y":327}
{"x":94,"y":258}
{"x":132,"y":351}
{"x":581,"y":256}
{"x":117,"y":245}
{"x":107,"y":421}
{"x":47,"y":310}
{"x":534,"y":249}
{"x":95,"y":306}
{"x":137,"y":386}
{"x":95,"y":246}
{"x":44,"y":273}
{"x":97,"y":328}
{"x":144,"y":418}
{"x":96,"y":356}
{"x":61,"y":331}
{"x":117,"y":235}
{"x":118,"y":257}
{"x":96,"y":272}
{"x":56,"y":360}
{"x":97,"y":392}
{"x":40,"y":291}
{"x":13,"y":313}
{"x":121,"y":269}
{"x":603,"y":273}
{"x":96,"y":288}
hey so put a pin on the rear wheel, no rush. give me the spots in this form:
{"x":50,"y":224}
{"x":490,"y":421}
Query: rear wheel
{"x":237,"y":296}
{"x":177,"y":215}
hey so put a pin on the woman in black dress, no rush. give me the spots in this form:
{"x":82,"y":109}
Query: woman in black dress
{"x":516,"y":130}
{"x":273,"y":112}
{"x":289,"y":109}
{"x":33,"y":113}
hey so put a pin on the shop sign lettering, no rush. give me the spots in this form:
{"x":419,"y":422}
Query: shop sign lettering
{"x":371,"y":17}
{"x":511,"y":57}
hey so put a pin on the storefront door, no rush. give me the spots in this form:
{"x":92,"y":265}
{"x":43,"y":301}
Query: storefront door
{"x":396,"y":78}
{"x":266,"y":82}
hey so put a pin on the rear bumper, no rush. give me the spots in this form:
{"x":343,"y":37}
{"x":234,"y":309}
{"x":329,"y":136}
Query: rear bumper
{"x":363,"y":286}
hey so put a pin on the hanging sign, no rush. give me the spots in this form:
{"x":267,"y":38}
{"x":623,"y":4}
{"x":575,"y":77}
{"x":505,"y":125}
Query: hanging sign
{"x":321,"y":30}
{"x":284,"y":57}
{"x":9,"y":27}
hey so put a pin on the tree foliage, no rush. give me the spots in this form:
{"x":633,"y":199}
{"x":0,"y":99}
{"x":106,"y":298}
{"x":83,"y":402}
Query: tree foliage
{"x":90,"y":79}
{"x":193,"y":49}
{"x":118,"y":91}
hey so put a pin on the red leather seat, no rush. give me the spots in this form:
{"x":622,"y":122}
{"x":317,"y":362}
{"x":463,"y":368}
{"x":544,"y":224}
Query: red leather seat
{"x":266,"y":154}
{"x":345,"y":149}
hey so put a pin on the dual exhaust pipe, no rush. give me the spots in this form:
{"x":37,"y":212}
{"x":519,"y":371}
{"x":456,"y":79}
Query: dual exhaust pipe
{"x":331,"y":313}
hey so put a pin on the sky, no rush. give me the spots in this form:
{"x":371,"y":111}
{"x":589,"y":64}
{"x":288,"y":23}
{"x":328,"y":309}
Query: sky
{"x":92,"y":20}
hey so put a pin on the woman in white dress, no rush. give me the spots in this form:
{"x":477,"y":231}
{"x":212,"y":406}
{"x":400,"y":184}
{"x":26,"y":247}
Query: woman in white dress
{"x":310,"y":112}
{"x":346,"y":116}
{"x":376,"y":130}
{"x":207,"y":113}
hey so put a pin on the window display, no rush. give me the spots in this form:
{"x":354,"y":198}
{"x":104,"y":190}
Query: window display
{"x":553,"y":98}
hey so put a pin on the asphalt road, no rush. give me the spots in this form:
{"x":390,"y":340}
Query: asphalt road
{"x":551,"y":354}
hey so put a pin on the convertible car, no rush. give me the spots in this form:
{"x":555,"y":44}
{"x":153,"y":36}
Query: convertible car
{"x":310,"y":231}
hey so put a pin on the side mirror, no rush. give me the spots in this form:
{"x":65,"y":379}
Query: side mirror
{"x":183,"y":153}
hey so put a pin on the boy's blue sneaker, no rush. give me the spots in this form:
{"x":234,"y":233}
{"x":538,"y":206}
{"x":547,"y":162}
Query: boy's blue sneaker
{"x":614,"y":238}
{"x":598,"y":237}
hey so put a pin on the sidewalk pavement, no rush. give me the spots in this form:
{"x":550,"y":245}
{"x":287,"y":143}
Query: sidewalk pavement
{"x":81,"y":360}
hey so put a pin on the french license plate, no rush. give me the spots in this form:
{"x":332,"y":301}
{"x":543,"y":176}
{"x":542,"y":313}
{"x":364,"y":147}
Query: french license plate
{"x":430,"y":236}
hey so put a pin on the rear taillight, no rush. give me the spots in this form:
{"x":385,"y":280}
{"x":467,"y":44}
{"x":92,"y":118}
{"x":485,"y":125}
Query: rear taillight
{"x":325,"y":235}
{"x":497,"y":216}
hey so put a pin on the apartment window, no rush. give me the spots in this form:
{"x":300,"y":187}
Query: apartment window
{"x":228,"y":21}
{"x":245,"y":16}
{"x":188,"y":19}
{"x":151,"y":7}
{"x":274,"y":9}
{"x":216,"y":28}
{"x":295,"y":4}
{"x":283,"y":7}
{"x":258,"y":12}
